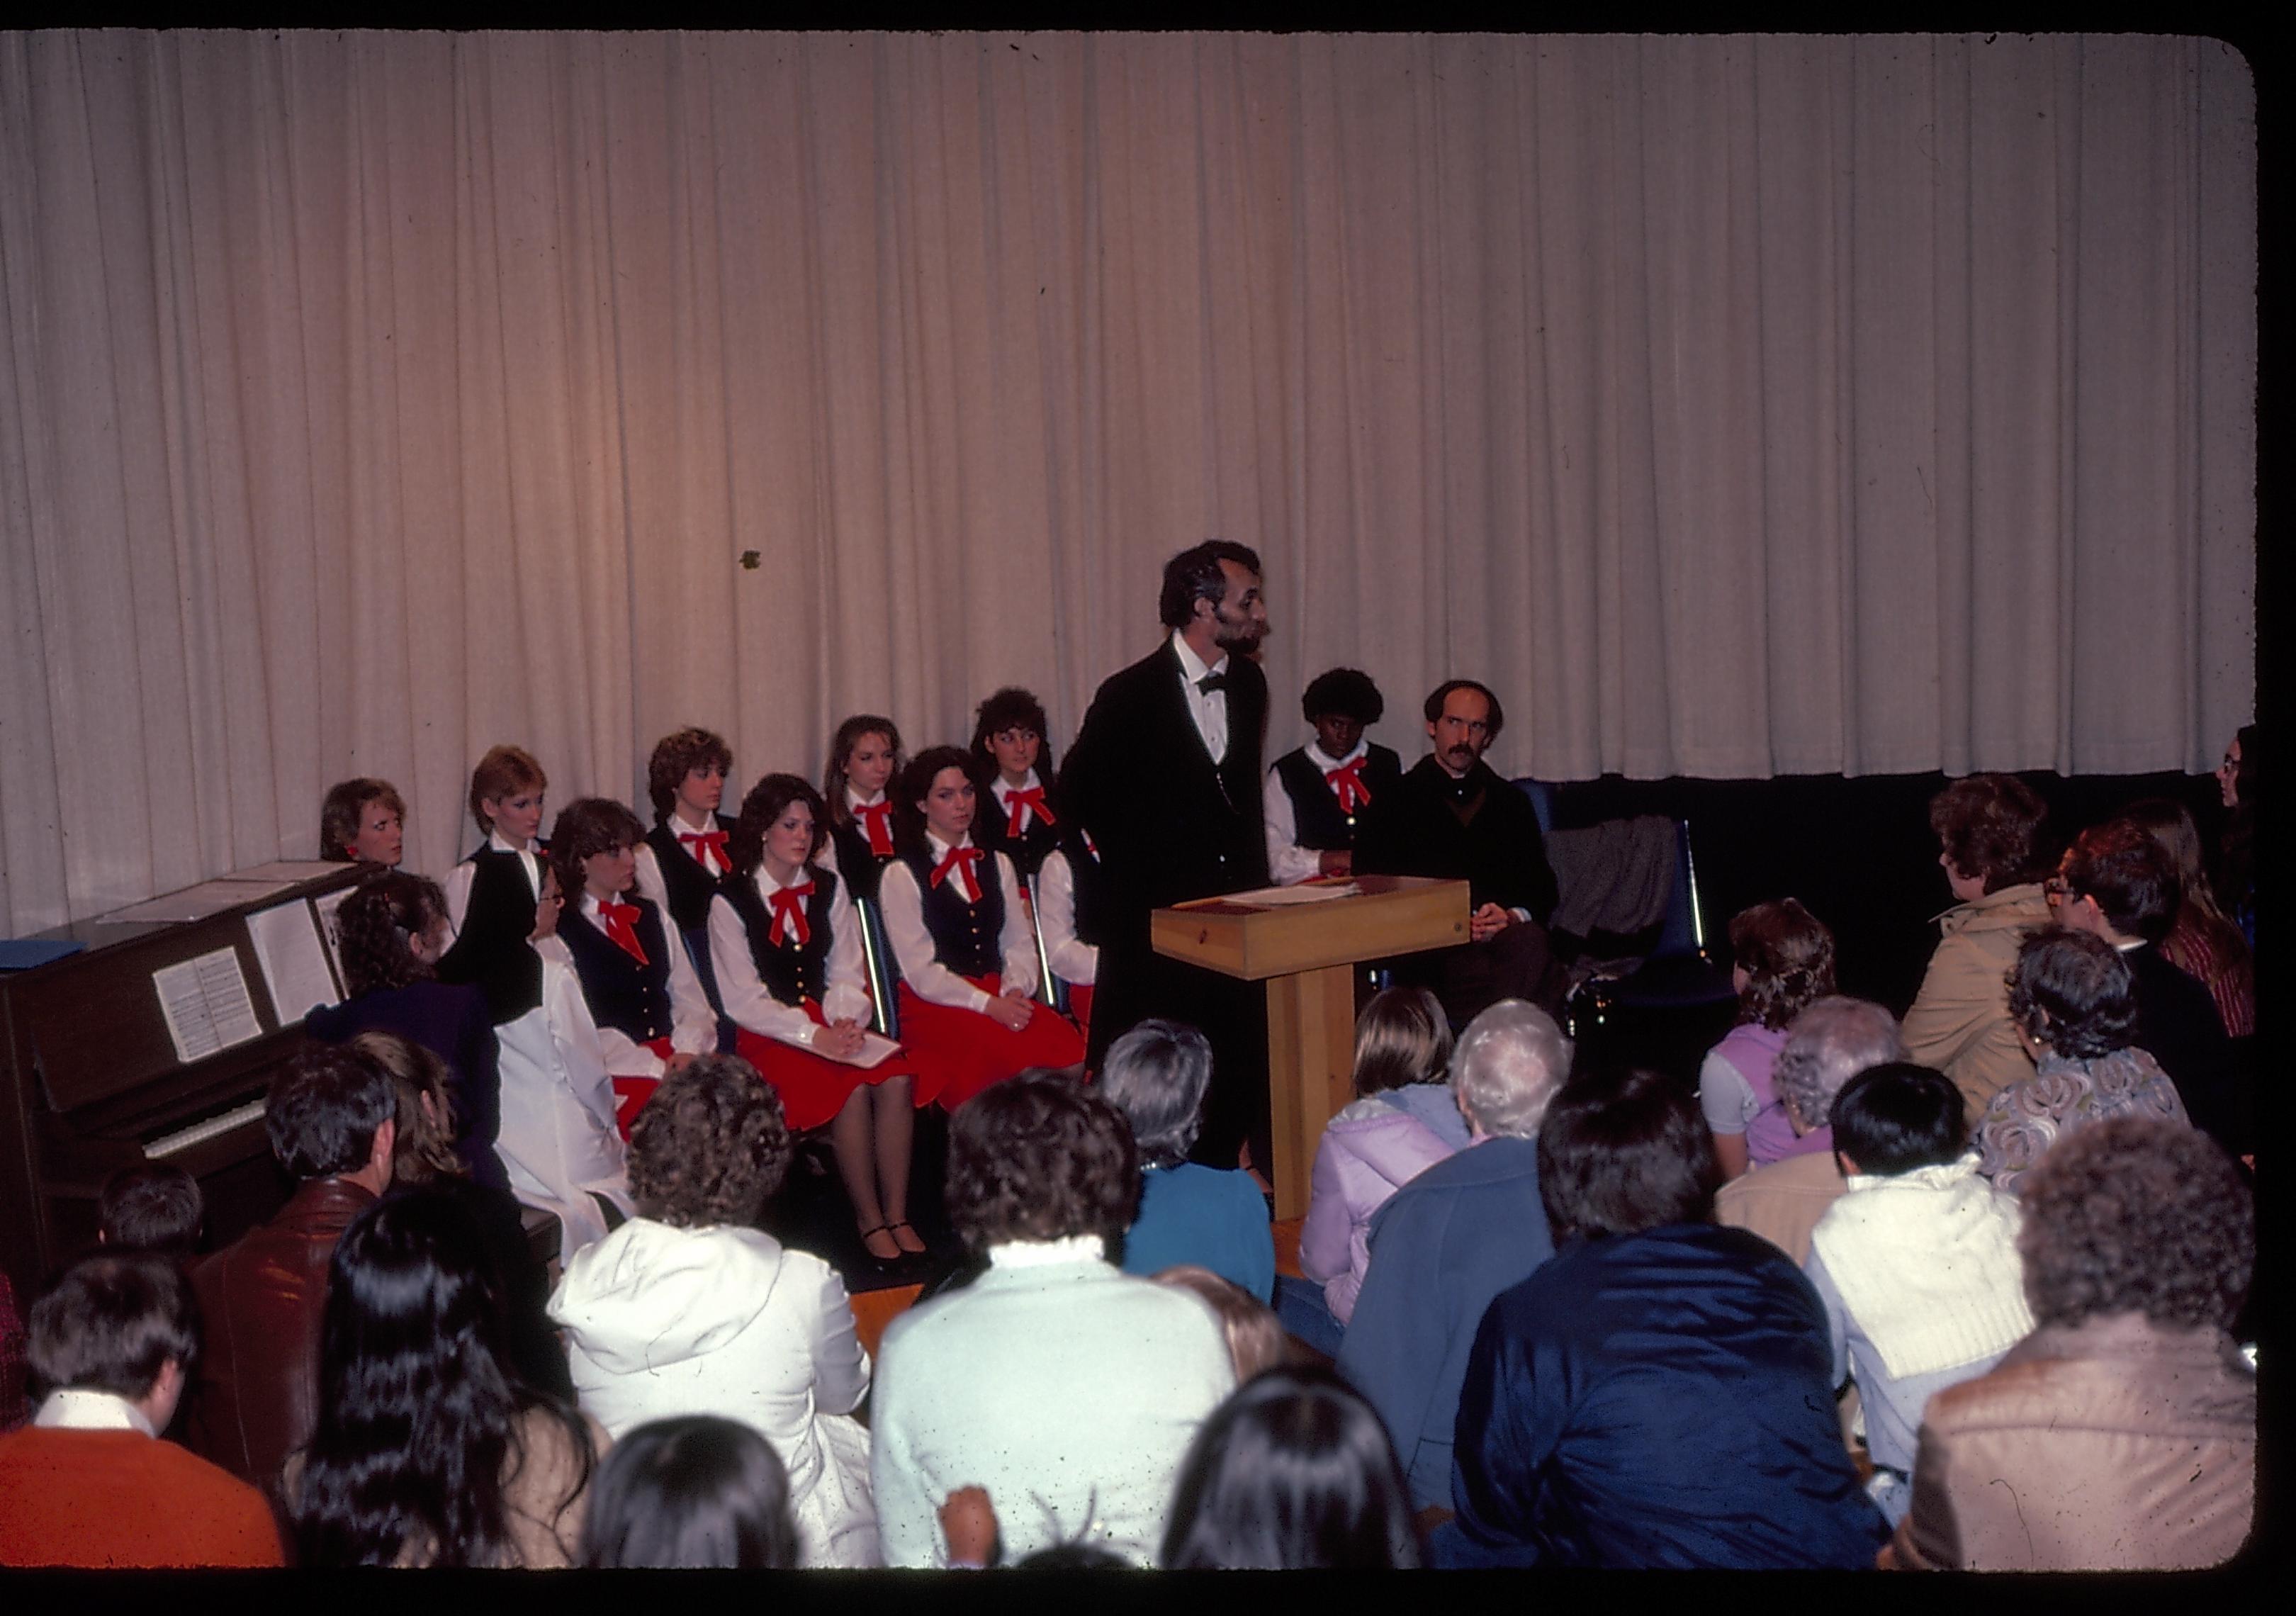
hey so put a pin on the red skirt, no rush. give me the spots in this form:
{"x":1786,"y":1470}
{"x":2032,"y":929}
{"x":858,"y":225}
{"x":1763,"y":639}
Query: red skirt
{"x":1080,"y":1006}
{"x":815,"y":1089}
{"x":971,"y":1051}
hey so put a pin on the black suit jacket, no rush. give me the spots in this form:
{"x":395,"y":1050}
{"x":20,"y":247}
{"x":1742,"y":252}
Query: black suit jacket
{"x":2177,"y":1024}
{"x":1499,"y":853}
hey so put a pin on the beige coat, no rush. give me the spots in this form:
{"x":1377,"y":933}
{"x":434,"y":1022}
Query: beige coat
{"x":1960,"y":1021}
{"x":2115,"y":1445}
{"x":1782,"y":1202}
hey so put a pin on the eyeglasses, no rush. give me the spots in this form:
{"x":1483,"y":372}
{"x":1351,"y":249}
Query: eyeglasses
{"x":2056,"y":888}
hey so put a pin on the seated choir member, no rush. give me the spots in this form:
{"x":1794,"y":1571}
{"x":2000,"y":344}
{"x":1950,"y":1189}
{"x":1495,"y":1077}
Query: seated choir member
{"x":1316,"y":793}
{"x":1784,"y":957}
{"x":1067,"y":889}
{"x":690,"y":1494}
{"x":690,"y":1308}
{"x":88,"y":1483}
{"x":363,"y":820}
{"x":1829,"y":1044}
{"x":1012,"y":755}
{"x":1656,"y":1393}
{"x":1916,"y":1263}
{"x":864,"y":758}
{"x":2073,"y":994}
{"x":2120,"y":1435}
{"x":155,"y":1207}
{"x":787,"y":951}
{"x":968,"y":964}
{"x":1065,"y":1388}
{"x":650,"y":1013}
{"x":1157,"y":1075}
{"x":686,"y":854}
{"x":491,"y":896}
{"x":2203,"y":943}
{"x":390,"y":933}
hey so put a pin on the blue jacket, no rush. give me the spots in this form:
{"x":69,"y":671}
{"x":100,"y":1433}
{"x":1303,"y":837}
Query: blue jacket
{"x":1216,"y":1219}
{"x":1441,"y":1247}
{"x":1656,"y":1399}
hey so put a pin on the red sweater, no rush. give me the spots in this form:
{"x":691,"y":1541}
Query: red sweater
{"x":122,"y":1498}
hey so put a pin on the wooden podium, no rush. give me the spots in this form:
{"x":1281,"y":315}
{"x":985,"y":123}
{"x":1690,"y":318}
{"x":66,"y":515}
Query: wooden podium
{"x":1305,"y":952}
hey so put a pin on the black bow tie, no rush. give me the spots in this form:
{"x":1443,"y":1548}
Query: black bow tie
{"x":1211,"y":682}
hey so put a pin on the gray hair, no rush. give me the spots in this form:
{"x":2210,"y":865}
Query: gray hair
{"x":1827,"y":1045}
{"x":1156,"y":1075}
{"x":1507,"y":1066}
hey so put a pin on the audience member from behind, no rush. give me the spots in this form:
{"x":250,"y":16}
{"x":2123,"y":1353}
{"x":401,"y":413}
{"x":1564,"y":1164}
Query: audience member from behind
{"x":690,"y":1308}
{"x":1784,"y":963}
{"x":429,"y":1450}
{"x":423,"y":1157}
{"x":1064,"y":1388}
{"x":87,"y":1484}
{"x":1988,"y":830}
{"x":2116,"y":884}
{"x":691,"y":1493}
{"x":1657,"y":1394}
{"x":2120,"y":1435}
{"x":2203,"y":943}
{"x":363,"y":822}
{"x":332,"y":1118}
{"x":1403,"y":1121}
{"x":1157,"y":1075}
{"x":1916,"y":1263}
{"x":1829,"y":1044}
{"x":2073,"y":994}
{"x":1455,"y":1237}
{"x":156,"y":1207}
{"x":1292,"y":1472}
{"x":1255,"y":1339}
{"x":390,"y":934}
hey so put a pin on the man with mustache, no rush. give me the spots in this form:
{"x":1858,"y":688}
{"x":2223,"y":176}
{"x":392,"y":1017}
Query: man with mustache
{"x":1451,"y":816}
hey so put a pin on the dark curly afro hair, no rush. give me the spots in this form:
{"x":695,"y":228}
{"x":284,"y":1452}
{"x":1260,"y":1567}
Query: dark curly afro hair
{"x":710,"y":1147}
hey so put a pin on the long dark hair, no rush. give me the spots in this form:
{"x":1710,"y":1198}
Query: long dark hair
{"x":694,"y":1491}
{"x":419,"y":1407}
{"x":767,"y":802}
{"x":840,"y":752}
{"x":375,"y":928}
{"x":914,"y":784}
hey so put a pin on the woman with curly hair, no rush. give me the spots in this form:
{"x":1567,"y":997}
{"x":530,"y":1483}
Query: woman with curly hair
{"x":2075,"y":997}
{"x":1785,"y":962}
{"x":690,"y":1308}
{"x":389,"y":933}
{"x":1013,"y":762}
{"x":429,"y":1448}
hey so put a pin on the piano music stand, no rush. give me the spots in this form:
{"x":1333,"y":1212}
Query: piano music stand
{"x":1306,"y":953}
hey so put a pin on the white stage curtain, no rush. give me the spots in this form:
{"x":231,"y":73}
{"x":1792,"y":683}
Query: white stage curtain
{"x":1734,"y":405}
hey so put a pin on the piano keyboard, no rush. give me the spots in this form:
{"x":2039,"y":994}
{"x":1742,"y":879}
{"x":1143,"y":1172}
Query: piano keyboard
{"x":199,"y":1132}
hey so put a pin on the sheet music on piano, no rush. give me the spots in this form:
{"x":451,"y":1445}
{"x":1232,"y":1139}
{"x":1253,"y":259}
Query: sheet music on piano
{"x":294,"y":964}
{"x":206,"y":1004}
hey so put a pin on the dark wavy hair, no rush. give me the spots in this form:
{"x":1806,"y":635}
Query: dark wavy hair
{"x":678,"y":755}
{"x":1990,"y":827}
{"x":1040,"y":1157}
{"x":585,"y":828}
{"x":419,"y":1409}
{"x":1011,"y":708}
{"x":2133,"y":882}
{"x":1625,"y":1153}
{"x":345,"y":806}
{"x":112,"y":1323}
{"x":1348,"y":692}
{"x":914,"y":784}
{"x":1493,"y":723}
{"x":424,"y":1149}
{"x":1292,"y":1472}
{"x":2137,"y":1215}
{"x":155,"y":1207}
{"x":841,"y":753}
{"x":1894,"y":1117}
{"x":767,"y":801}
{"x":1788,"y":954}
{"x":696,"y":1491}
{"x":710,"y":1147}
{"x":1195,"y":574}
{"x":503,"y":772}
{"x":321,"y":1113}
{"x":375,"y":928}
{"x":2074,"y":992}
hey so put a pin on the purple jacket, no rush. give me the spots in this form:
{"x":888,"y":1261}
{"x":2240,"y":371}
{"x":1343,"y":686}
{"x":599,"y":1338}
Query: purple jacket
{"x":1369,"y":1151}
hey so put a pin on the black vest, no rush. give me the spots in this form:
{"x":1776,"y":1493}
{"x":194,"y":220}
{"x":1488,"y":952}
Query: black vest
{"x":631,"y":998}
{"x":968,"y":939}
{"x":855,"y":861}
{"x":792,"y":974}
{"x":1316,"y":806}
{"x":688,"y":886}
{"x":1026,"y":851}
{"x":491,"y":952}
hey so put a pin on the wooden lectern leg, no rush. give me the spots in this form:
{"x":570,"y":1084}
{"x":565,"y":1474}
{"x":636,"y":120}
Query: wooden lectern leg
{"x":1311,"y":1028}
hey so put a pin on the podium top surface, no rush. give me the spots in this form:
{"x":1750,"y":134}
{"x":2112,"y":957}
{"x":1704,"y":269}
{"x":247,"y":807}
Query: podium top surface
{"x":1370,"y":918}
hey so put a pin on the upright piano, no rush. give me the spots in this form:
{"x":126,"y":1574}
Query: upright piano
{"x":155,"y":1041}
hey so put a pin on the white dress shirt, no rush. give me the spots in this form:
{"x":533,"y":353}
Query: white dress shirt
{"x":1289,"y":862}
{"x":1208,"y":708}
{"x":913,"y":944}
{"x":1071,"y":958}
{"x":745,"y":996}
{"x":85,"y":1408}
{"x":459,"y":879}
{"x":693,"y":1024}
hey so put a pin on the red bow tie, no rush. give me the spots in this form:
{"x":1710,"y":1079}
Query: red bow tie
{"x":877,"y":819}
{"x":621,"y":924}
{"x":789,"y":917}
{"x":960,"y":860}
{"x":708,"y":850}
{"x":1029,"y":799}
{"x":1346,"y":780}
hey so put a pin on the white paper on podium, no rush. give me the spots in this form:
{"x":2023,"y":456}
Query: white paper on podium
{"x":1278,"y":897}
